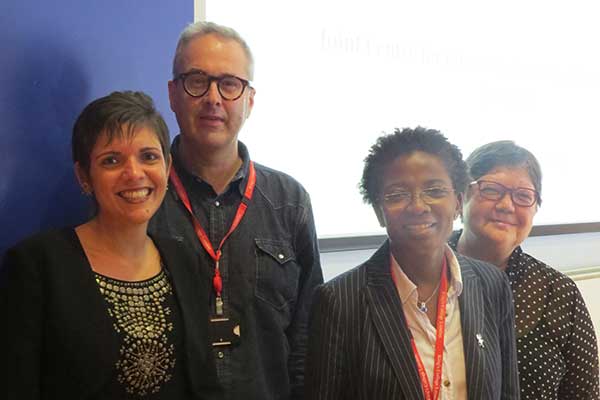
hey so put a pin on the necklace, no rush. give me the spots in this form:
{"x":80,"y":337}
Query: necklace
{"x":422,"y":305}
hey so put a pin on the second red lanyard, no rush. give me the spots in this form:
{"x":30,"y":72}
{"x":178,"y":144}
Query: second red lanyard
{"x":203,"y":237}
{"x":440,"y":327}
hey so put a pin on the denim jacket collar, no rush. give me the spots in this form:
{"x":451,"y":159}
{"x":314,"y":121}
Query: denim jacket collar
{"x":240,"y":179}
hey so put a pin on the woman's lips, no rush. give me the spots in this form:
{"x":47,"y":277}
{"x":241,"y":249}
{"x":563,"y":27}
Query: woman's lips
{"x":418,"y":227}
{"x":503,"y":222}
{"x":135,"y":195}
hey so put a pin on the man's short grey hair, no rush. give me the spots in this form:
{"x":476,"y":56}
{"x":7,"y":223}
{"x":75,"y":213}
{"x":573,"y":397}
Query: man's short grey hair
{"x":203,"y":28}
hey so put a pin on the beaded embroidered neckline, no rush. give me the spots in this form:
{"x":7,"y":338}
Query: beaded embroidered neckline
{"x":141,"y":316}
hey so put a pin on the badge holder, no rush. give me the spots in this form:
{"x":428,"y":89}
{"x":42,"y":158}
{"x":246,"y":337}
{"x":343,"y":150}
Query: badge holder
{"x":223,"y":332}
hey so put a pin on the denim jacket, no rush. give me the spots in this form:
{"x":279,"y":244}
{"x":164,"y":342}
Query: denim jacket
{"x":270,"y":267}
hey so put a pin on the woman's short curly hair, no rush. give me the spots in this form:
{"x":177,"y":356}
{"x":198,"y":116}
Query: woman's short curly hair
{"x":389,"y":147}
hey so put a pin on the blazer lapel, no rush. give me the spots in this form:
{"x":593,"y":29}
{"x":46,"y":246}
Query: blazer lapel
{"x":389,"y":321}
{"x":472,"y":323}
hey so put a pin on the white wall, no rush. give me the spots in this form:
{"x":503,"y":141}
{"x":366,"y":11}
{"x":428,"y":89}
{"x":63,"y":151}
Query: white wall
{"x":590,"y":289}
{"x":563,"y":252}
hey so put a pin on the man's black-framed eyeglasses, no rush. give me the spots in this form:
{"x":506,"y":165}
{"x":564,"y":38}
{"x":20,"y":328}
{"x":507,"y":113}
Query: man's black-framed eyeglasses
{"x":495,"y":191}
{"x":197,"y":83}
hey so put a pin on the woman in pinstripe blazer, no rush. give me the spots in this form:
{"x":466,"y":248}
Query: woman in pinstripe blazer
{"x":373,"y":329}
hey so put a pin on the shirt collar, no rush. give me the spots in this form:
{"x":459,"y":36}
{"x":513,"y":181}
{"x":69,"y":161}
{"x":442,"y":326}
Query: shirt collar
{"x":511,"y":268}
{"x":239,"y":177}
{"x":453,"y":240}
{"x":456,"y":283}
{"x":407,"y":289}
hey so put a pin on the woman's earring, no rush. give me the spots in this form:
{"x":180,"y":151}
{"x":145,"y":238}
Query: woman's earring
{"x":86,"y":190}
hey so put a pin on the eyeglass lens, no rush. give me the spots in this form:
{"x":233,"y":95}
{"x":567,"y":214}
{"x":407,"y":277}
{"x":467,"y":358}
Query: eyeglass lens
{"x":197,"y":84}
{"x":428,"y":196}
{"x":496,"y":191}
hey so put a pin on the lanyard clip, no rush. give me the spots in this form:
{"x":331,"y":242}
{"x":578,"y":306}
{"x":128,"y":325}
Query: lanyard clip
{"x":219,"y":305}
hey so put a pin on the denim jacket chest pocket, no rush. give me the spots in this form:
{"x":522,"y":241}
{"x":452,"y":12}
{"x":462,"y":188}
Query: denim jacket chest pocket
{"x":277,"y":272}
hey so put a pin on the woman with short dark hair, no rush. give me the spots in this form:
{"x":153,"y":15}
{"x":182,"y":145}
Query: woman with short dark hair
{"x":415,"y":321}
{"x":556,"y":344}
{"x":102,"y":310}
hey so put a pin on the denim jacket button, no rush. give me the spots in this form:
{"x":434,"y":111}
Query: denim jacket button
{"x":281,"y":256}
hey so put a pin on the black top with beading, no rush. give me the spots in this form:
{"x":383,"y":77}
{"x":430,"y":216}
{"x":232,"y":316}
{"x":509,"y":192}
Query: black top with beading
{"x":556,"y":343}
{"x":145,"y":316}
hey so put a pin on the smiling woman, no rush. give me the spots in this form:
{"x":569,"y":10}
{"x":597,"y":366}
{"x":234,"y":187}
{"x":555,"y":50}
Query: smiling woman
{"x":410,"y":185}
{"x":127,"y":175}
{"x":558,"y":355}
{"x":414,"y":321}
{"x":103,"y":310}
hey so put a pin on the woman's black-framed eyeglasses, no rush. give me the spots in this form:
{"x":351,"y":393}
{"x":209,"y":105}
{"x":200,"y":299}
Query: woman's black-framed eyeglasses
{"x":490,"y":190}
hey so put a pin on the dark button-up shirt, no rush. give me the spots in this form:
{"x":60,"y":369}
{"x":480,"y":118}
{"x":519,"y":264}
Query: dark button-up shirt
{"x":270,"y":267}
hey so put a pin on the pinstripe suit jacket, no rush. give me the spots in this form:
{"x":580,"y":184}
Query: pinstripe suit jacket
{"x":359,"y":344}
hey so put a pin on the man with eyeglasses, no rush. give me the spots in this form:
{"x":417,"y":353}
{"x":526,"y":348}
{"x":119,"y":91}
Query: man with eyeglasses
{"x":251,"y":226}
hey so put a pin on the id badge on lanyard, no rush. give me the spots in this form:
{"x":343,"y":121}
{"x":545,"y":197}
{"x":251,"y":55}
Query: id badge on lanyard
{"x":225,"y":331}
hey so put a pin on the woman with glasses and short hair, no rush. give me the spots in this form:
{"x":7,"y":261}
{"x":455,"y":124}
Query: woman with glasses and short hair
{"x":415,"y":321}
{"x":557,"y":348}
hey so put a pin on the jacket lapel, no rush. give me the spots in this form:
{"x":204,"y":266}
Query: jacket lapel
{"x":472,"y":311}
{"x":99,"y":346}
{"x":389,"y":321}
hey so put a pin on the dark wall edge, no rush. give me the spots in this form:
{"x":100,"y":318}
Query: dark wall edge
{"x":349,"y":243}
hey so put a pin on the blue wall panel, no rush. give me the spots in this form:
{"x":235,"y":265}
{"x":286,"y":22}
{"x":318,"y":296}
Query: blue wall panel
{"x":55,"y":57}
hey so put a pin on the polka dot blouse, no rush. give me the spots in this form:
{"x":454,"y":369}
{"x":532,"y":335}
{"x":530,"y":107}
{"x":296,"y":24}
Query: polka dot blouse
{"x":556,"y":344}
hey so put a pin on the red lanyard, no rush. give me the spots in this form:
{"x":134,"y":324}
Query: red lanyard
{"x":203,"y":237}
{"x":439,"y":341}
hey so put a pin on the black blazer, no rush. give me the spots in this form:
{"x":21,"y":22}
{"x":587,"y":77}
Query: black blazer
{"x":57,"y":339}
{"x":359,"y":344}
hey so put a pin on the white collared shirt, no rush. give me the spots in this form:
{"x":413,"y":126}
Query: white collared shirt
{"x":454,"y":382}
